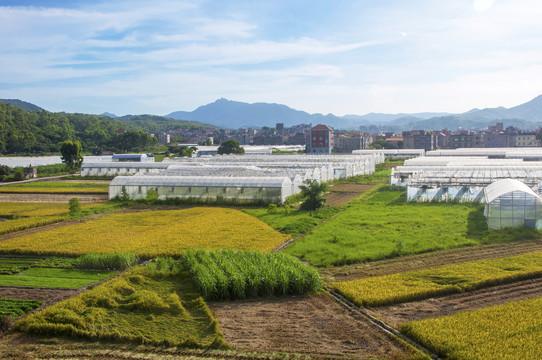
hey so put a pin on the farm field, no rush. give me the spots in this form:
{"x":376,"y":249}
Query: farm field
{"x":152,"y":233}
{"x":428,"y":260}
{"x":380,"y":224}
{"x":340,"y":194}
{"x":17,"y":216}
{"x":17,"y":307}
{"x":314,"y":325}
{"x":56,"y":187}
{"x":142,"y":305}
{"x":509,"y":331}
{"x":397,"y":314}
{"x":56,"y":278}
{"x":421,"y":284}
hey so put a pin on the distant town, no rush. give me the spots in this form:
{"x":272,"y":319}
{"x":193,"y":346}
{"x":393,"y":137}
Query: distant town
{"x":324,"y":139}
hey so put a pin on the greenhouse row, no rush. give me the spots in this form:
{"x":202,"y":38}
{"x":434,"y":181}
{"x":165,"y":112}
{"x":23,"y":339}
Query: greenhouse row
{"x":461,"y":178}
{"x":239,"y":178}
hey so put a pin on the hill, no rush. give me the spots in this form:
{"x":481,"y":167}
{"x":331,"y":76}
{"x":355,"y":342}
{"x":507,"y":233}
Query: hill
{"x":26,"y":131}
{"x":22,"y":104}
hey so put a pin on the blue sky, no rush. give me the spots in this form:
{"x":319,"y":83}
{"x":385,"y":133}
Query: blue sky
{"x":341,"y":57}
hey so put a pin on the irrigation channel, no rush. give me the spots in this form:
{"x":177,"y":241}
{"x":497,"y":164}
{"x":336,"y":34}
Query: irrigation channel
{"x":379,"y":323}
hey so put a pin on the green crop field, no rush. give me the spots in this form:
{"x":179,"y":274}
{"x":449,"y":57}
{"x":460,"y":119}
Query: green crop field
{"x":237,"y":274}
{"x":380,"y":224}
{"x":509,"y":331}
{"x":56,"y":278}
{"x":16,"y":307}
{"x":422,"y":284}
{"x":142,"y":305}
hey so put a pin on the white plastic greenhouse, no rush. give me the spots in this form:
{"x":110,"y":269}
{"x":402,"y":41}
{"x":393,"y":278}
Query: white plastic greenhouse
{"x":510,"y":202}
{"x":242,"y":189}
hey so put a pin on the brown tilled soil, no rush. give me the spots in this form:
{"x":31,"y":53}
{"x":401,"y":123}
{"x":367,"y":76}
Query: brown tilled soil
{"x":472,"y":300}
{"x":342,"y":193}
{"x":424,"y":261}
{"x":52,"y":198}
{"x":313,"y":325}
{"x":47,"y":296}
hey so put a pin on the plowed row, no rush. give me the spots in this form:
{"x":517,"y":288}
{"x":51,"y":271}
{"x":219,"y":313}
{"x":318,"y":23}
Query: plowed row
{"x":437,"y":307}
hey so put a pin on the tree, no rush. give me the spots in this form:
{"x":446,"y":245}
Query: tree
{"x":71,"y":154}
{"x":313,"y":192}
{"x":230,"y":147}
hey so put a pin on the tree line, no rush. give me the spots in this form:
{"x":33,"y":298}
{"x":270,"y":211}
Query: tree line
{"x":23,"y":131}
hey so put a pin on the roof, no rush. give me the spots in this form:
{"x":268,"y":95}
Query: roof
{"x":322,"y":127}
{"x":129,"y":156}
{"x":201,"y":181}
{"x":505,"y":186}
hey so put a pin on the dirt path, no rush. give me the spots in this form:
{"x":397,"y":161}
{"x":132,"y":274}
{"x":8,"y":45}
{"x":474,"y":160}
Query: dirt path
{"x":431,"y":308}
{"x":342,"y":193}
{"x":424,"y":261}
{"x":314,"y":325}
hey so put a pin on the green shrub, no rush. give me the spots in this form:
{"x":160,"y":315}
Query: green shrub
{"x":74,"y":206}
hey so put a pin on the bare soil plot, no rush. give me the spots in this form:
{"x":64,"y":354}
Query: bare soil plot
{"x":437,"y":307}
{"x":313,"y":325}
{"x":47,"y":296}
{"x":53,"y":198}
{"x":424,"y":261}
{"x":342,"y":193}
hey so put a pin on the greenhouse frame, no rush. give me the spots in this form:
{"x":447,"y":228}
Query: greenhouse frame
{"x":511,"y":203}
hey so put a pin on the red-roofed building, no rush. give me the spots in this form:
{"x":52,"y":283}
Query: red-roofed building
{"x":320,"y":140}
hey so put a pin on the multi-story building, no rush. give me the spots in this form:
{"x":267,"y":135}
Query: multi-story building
{"x":320,"y":140}
{"x":345,"y":143}
{"x":466,"y":139}
{"x":524,"y":140}
{"x":418,"y":139}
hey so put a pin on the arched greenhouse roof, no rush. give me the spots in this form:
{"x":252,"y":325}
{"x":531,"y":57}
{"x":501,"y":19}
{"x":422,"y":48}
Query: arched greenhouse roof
{"x":505,"y":186}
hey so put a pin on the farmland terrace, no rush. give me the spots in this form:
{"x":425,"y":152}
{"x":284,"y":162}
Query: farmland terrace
{"x":121,"y":318}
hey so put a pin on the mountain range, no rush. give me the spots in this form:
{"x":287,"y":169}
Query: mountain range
{"x":233,"y":114}
{"x":230,"y":114}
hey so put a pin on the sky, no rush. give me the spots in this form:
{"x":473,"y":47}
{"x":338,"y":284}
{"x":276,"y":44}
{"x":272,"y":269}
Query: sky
{"x":340,"y":57}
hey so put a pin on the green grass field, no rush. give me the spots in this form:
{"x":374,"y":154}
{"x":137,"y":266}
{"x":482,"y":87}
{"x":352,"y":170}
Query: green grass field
{"x":509,"y":331}
{"x":144,"y":306}
{"x":382,"y":225}
{"x":295,"y":222}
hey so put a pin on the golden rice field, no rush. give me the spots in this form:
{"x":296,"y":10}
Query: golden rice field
{"x":415,"y":285}
{"x":509,"y":331}
{"x":19,"y":216}
{"x":152,"y":233}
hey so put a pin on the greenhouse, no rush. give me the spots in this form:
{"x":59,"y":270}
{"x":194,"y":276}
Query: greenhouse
{"x":216,"y":188}
{"x":112,"y":168}
{"x":510,"y":202}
